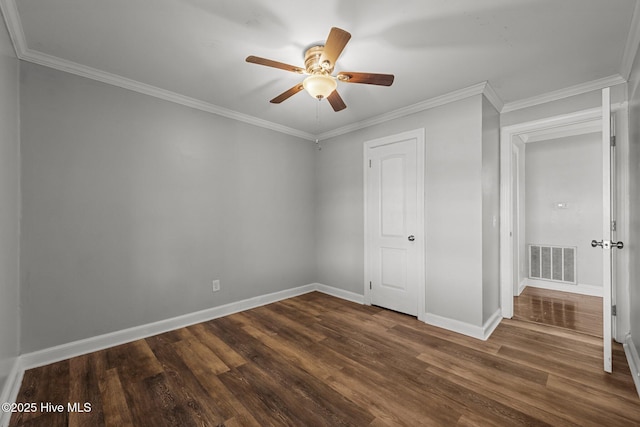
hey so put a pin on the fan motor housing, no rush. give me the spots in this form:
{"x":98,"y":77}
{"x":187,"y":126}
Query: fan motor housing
{"x":312,"y":61}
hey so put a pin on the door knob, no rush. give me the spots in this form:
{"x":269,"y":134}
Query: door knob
{"x":618,"y":245}
{"x":411,"y":238}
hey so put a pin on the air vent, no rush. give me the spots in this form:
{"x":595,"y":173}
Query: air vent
{"x":555,"y":263}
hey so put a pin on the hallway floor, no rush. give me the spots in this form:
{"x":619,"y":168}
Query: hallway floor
{"x":580,"y":313}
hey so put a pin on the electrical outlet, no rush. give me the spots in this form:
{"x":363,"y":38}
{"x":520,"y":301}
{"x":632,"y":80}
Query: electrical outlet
{"x":216,"y":285}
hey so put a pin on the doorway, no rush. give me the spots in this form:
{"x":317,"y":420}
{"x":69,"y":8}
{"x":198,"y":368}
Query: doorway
{"x":394,"y":222}
{"x":513,"y":247}
{"x":514,"y":261}
{"x":557,"y":195}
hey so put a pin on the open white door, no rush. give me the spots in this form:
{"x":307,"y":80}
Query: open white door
{"x":606,"y":243}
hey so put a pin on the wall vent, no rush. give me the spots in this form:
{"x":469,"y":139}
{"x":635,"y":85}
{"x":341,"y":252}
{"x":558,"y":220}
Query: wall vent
{"x":555,"y":263}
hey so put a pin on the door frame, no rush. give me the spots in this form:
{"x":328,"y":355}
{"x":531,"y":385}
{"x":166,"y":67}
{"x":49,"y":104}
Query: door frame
{"x":509,"y":138}
{"x":419,"y":136}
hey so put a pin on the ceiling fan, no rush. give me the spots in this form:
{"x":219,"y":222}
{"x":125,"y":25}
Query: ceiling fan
{"x":320,"y":61}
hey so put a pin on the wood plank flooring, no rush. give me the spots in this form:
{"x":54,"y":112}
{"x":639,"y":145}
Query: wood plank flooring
{"x":315,"y":360}
{"x":581,"y":313}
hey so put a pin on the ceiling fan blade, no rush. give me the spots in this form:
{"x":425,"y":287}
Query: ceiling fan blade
{"x":336,"y":101}
{"x":274,"y":64}
{"x":287,"y":94}
{"x":334,"y":46}
{"x":366,"y":78}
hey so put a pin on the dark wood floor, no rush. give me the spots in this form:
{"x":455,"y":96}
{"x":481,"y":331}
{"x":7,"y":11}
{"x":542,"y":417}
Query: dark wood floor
{"x":315,"y":360}
{"x":581,"y":313}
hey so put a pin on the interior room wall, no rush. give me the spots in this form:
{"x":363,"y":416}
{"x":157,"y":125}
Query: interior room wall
{"x":9,"y":206}
{"x":453,"y":214}
{"x":133,"y":205}
{"x":634,"y":214}
{"x":490,"y":210}
{"x":566,"y":170}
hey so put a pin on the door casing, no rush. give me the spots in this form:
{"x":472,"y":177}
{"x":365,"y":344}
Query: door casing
{"x":509,"y":139}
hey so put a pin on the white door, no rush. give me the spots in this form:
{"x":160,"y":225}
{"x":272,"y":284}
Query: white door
{"x":606,"y":243}
{"x":394,"y":218}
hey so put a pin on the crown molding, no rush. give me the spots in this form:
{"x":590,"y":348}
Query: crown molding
{"x":493,"y":97}
{"x":136,"y":86}
{"x":579,"y":89}
{"x":633,"y":42}
{"x":477,"y":89}
{"x":14,"y":25}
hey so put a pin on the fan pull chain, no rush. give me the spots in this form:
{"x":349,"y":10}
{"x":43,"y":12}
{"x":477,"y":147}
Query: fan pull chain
{"x":318,"y":124}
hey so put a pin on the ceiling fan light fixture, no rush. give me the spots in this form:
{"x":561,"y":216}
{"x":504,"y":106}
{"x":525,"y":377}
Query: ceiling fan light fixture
{"x":320,"y":85}
{"x":319,"y":63}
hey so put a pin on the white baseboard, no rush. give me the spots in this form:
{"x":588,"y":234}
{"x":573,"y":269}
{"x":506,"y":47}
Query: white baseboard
{"x":521,"y":286}
{"x":595,"y":291}
{"x":631,"y":351}
{"x":491,"y":324}
{"x":339,"y":293}
{"x":89,"y":345}
{"x":76,"y":348}
{"x":479,"y":332}
{"x":10,"y":389}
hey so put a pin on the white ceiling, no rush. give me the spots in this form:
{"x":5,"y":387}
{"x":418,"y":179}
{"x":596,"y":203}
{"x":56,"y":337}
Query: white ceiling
{"x":193,"y":51}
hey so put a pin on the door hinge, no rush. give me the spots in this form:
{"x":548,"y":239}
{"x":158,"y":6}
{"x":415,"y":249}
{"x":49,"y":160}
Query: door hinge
{"x":613,"y":141}
{"x":614,"y":310}
{"x":369,"y":285}
{"x":613,"y":225}
{"x":369,"y":162}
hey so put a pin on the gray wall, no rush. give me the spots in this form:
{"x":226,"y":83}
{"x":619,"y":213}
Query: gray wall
{"x":634,"y":215}
{"x":132,"y":205}
{"x":453,"y":214}
{"x":567,"y":170}
{"x":339,"y":230}
{"x":454,"y":211}
{"x":9,"y":206}
{"x":490,"y":210}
